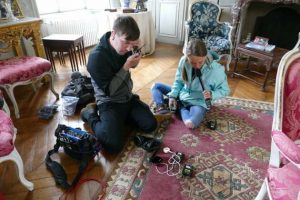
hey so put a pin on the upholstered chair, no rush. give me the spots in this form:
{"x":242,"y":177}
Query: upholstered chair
{"x":23,"y":70}
{"x":203,"y":23}
{"x":283,"y":175}
{"x":8,"y":150}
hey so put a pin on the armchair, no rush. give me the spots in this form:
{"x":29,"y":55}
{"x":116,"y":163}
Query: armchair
{"x":283,"y":176}
{"x":203,"y":23}
{"x":22,"y":70}
{"x":8,"y":150}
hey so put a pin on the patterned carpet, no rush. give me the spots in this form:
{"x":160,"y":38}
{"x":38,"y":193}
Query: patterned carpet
{"x":228,"y":163}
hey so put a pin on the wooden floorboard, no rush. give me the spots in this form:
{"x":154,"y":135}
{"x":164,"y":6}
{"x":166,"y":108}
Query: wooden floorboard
{"x":35,"y":136}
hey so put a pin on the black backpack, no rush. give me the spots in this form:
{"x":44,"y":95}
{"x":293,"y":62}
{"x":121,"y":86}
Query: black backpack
{"x":77,"y":144}
{"x":80,"y":86}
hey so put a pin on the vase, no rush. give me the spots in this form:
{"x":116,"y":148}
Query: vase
{"x":125,"y":3}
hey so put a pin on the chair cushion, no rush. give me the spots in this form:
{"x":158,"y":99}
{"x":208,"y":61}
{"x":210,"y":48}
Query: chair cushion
{"x":284,"y":183}
{"x":22,"y":68}
{"x":6,"y":134}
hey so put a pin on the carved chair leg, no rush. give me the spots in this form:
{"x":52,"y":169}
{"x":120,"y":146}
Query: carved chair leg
{"x":15,"y":157}
{"x":262,"y":192}
{"x":10,"y":92}
{"x":51,"y":85}
{"x":229,"y":59}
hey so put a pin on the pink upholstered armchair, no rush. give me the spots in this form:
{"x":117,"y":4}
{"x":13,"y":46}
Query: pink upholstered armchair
{"x":21,"y":70}
{"x":8,"y":150}
{"x":283,"y":176}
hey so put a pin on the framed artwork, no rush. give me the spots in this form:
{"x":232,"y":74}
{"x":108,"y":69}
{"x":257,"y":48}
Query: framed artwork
{"x":261,"y":40}
{"x":16,"y":9}
{"x":8,"y":7}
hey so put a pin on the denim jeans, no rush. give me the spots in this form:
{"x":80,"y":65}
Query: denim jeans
{"x":158,"y":91}
{"x":193,"y":113}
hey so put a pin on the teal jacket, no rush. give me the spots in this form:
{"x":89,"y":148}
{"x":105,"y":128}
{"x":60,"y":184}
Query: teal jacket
{"x":213,"y":78}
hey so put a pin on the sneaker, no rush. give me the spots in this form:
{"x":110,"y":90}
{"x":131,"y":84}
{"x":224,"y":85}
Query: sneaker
{"x":88,"y":111}
{"x":161,"y":109}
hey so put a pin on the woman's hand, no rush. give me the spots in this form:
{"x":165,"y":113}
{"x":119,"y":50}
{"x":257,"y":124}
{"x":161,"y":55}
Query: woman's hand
{"x":132,"y":61}
{"x":206,"y":94}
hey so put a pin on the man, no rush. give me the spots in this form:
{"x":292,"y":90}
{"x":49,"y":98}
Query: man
{"x":109,"y":65}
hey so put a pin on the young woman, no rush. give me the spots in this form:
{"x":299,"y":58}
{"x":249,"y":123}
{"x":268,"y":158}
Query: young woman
{"x":199,"y":80}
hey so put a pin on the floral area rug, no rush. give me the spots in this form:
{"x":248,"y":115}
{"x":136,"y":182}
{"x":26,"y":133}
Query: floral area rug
{"x":227,"y":163}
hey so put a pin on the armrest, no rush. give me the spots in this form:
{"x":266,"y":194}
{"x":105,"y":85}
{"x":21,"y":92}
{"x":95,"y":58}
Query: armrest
{"x":286,"y":146}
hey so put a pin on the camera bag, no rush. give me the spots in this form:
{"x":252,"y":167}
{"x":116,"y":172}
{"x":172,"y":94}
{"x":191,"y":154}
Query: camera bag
{"x":76,"y":143}
{"x":79,"y":86}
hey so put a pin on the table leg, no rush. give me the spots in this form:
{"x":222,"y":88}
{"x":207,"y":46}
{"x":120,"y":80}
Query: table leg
{"x":235,"y":64}
{"x":49,"y":56}
{"x":73,"y":49}
{"x":248,"y":62}
{"x":72,"y":60}
{"x":78,"y":50}
{"x":83,"y":52}
{"x":268,"y":68}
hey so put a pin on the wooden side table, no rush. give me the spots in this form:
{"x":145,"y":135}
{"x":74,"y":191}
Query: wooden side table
{"x":268,"y":57}
{"x":60,"y":43}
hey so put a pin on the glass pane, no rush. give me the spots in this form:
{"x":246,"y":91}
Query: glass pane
{"x":46,"y":6}
{"x":65,"y":5}
{"x":97,"y":4}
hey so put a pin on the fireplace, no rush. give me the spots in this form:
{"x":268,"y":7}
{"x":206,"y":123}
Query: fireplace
{"x":250,"y":17}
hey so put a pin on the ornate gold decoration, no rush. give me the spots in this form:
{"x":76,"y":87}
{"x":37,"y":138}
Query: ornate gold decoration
{"x":11,"y":34}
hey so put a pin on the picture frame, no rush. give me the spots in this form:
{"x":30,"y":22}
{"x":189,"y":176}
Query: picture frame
{"x":261,"y":40}
{"x":7,"y":6}
{"x":15,"y":7}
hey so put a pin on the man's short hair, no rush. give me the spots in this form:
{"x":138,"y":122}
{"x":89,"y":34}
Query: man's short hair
{"x":126,"y":25}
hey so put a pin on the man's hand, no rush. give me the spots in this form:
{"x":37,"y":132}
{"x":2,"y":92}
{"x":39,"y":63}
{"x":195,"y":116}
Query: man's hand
{"x":132,"y":61}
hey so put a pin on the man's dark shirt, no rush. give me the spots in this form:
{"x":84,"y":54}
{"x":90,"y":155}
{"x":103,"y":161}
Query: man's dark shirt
{"x":111,"y":82}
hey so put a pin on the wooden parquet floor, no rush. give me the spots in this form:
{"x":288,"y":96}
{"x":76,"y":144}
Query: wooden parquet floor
{"x":35,"y":136}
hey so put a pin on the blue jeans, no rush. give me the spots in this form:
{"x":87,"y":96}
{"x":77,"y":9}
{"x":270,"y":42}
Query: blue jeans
{"x":194,"y":113}
{"x":158,"y":91}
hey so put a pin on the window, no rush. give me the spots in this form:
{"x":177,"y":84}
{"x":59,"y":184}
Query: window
{"x":55,"y":6}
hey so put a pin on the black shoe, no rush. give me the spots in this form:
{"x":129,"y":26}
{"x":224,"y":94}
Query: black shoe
{"x":147,"y":143}
{"x":89,"y":111}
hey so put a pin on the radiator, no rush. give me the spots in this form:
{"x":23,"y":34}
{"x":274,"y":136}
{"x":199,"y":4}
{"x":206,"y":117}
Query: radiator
{"x":91,"y":25}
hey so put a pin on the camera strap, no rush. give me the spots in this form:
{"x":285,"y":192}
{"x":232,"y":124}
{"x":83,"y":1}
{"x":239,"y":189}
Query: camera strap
{"x":77,"y":144}
{"x":198,"y":74}
{"x":58,"y":171}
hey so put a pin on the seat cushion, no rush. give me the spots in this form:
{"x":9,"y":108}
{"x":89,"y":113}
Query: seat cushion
{"x":284,"y":183}
{"x":22,"y":68}
{"x":6,"y":134}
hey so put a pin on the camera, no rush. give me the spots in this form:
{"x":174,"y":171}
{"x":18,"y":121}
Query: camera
{"x":178,"y":157}
{"x":173,"y":109}
{"x":137,"y":50}
{"x":187,"y":170}
{"x":208,"y":102}
{"x":212,"y":124}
